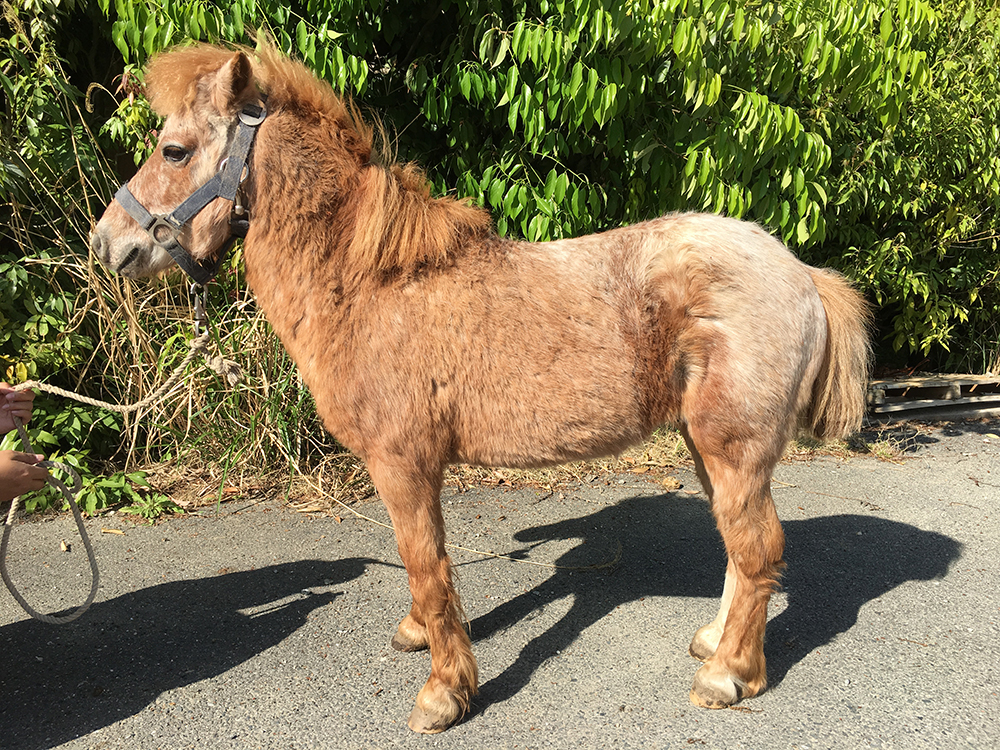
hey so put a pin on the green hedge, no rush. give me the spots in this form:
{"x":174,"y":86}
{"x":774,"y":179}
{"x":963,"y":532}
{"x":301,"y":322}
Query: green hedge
{"x":864,"y":132}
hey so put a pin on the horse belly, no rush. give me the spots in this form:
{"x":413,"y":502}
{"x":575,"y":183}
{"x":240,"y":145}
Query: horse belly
{"x":539,"y":411}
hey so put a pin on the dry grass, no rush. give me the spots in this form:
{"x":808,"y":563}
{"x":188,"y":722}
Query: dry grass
{"x":340,"y":478}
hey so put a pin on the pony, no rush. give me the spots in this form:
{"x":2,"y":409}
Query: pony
{"x":427,"y":339}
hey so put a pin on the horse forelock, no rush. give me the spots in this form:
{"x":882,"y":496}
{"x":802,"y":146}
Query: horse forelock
{"x":172,"y":77}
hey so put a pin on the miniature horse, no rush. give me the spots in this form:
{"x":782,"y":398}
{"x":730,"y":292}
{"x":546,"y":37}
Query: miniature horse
{"x":426,"y":339}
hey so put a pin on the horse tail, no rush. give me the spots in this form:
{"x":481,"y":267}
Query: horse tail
{"x":838,"y":398}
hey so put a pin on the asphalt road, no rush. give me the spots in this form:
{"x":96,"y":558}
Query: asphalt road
{"x":269,"y":629}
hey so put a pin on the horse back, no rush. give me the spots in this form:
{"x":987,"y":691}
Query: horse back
{"x":522,"y":354}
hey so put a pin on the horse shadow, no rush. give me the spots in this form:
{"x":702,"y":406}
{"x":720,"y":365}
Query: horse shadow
{"x":57,"y":684}
{"x":671,"y":548}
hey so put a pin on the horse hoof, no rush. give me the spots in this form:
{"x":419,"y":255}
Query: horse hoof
{"x":705,"y":642}
{"x":434,"y":712}
{"x":401,"y":645}
{"x":422,"y":722}
{"x":711,"y":690}
{"x":410,"y":636}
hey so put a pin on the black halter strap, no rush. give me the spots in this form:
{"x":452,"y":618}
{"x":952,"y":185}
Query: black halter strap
{"x":165,"y":229}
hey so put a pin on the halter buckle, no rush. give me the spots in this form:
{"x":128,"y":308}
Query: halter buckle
{"x":200,"y":296}
{"x":253,"y":115}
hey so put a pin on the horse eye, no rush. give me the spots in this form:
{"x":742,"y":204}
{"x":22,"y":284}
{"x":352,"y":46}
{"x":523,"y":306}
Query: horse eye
{"x":175,"y":154}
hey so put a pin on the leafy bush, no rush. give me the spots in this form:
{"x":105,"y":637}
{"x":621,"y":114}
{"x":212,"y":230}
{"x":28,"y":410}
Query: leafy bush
{"x":865,"y":133}
{"x":916,"y":217}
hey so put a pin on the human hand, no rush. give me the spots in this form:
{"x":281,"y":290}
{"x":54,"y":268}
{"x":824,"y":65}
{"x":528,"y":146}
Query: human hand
{"x":19,"y":474}
{"x":14,"y":404}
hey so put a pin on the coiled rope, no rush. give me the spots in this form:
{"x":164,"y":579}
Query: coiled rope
{"x":227,"y":368}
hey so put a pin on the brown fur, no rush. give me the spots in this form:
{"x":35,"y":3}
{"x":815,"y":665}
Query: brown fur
{"x":426,"y":339}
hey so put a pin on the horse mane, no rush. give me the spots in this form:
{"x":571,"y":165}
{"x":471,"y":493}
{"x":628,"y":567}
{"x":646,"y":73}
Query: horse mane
{"x":388,"y":222}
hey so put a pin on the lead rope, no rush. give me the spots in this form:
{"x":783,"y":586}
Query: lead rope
{"x":59,"y":485}
{"x":227,"y":368}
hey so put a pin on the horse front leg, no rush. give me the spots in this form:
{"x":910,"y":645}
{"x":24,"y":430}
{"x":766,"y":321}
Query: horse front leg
{"x":412,"y":497}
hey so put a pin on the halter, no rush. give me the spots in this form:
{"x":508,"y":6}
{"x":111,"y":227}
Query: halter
{"x":165,"y":229}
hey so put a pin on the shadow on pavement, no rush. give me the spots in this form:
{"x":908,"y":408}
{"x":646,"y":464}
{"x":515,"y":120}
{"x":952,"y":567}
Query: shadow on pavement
{"x":671,"y":549}
{"x":58,"y":683}
{"x":909,"y":437}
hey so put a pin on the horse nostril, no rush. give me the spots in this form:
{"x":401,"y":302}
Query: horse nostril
{"x":132,"y":255}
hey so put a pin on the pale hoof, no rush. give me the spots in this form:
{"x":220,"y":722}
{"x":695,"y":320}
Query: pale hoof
{"x":400,"y":645}
{"x":422,"y":722}
{"x":705,"y":642}
{"x":410,"y":636}
{"x":435,"y":711}
{"x":714,"y":690}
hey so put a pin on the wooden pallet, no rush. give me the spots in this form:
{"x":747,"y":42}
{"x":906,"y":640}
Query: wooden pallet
{"x":928,"y":395}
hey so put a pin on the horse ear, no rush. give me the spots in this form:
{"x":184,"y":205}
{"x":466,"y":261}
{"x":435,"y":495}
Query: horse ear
{"x":231,"y":83}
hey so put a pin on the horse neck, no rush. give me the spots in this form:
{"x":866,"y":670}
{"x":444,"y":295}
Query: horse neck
{"x":300,"y":175}
{"x":324,"y":217}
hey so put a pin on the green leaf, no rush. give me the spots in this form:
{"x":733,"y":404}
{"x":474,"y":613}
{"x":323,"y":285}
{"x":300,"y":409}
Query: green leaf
{"x":681,"y":37}
{"x":885,"y":27}
{"x":810,"y":50}
{"x":706,"y":166}
{"x":575,"y":79}
{"x":550,"y":184}
{"x":518,"y":42}
{"x":496,"y":193}
{"x":237,"y":12}
{"x":592,"y":79}
{"x":739,"y":19}
{"x":486,"y":45}
{"x":301,"y":33}
{"x":149,"y":35}
{"x":118,"y":38}
{"x":691,"y":164}
{"x":501,"y":52}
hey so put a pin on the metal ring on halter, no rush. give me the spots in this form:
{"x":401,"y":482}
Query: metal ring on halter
{"x":170,"y":228}
{"x":243,"y":175}
{"x":253,"y":120}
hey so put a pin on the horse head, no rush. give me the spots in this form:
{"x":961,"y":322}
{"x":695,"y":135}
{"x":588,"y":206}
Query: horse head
{"x":180,"y":204}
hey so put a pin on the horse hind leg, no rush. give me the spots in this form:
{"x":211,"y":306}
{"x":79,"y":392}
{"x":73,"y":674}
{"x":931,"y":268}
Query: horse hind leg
{"x":412,"y":499}
{"x":706,"y":640}
{"x":737,"y":480}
